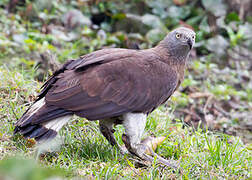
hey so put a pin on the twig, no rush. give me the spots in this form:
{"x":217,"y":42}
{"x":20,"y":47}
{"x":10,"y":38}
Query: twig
{"x":207,"y":103}
{"x":200,"y":94}
{"x":221,"y":110}
{"x":190,"y":113}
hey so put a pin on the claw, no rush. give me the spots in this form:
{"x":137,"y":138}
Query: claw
{"x":145,"y":156}
{"x":123,"y":150}
{"x":141,"y":150}
{"x":169,"y":163}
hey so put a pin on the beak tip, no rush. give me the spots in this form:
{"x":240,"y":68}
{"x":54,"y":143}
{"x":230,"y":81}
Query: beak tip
{"x":190,"y":43}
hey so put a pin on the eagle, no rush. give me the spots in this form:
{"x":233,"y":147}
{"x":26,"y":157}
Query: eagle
{"x":114,"y":86}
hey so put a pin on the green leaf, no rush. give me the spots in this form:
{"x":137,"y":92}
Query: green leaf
{"x":155,"y":35}
{"x":179,"y":12}
{"x":217,"y":7}
{"x":217,"y":44}
{"x":204,"y":25}
{"x":233,"y":16}
{"x":119,"y":16}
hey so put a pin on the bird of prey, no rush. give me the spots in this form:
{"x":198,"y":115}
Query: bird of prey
{"x":114,"y":86}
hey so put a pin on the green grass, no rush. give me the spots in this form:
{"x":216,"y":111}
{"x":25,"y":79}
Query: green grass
{"x":84,"y":152}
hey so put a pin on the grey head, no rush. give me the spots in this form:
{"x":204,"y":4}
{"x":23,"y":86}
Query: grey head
{"x":179,"y":42}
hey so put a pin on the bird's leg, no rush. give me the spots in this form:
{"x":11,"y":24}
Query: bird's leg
{"x":106,"y":128}
{"x":134,"y":124}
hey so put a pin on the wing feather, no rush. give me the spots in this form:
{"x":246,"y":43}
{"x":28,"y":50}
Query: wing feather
{"x":121,"y":82}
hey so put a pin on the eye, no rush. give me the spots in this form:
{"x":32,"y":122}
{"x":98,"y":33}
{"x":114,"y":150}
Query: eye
{"x":193,"y":37}
{"x":178,"y":36}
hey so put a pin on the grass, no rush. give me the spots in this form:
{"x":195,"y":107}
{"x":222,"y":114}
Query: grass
{"x":84,"y":152}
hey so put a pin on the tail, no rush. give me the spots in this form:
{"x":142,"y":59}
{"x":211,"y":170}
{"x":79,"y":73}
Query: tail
{"x":42,"y":121}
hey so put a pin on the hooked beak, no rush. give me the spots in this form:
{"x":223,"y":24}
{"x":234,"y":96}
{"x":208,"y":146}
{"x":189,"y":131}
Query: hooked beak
{"x":190,"y":43}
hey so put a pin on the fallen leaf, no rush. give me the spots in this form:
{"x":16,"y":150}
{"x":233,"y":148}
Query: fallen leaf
{"x":179,"y":2}
{"x":200,"y":94}
{"x":152,"y":142}
{"x":30,"y":143}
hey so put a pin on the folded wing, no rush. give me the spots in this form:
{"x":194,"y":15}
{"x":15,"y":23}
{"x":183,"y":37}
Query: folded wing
{"x":111,"y":84}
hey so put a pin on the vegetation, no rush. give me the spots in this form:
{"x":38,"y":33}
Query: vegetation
{"x":208,"y":122}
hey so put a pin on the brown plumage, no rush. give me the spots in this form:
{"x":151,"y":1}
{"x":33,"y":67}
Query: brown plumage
{"x":109,"y":83}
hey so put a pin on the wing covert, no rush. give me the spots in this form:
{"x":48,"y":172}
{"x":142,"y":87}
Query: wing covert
{"x":112,"y":89}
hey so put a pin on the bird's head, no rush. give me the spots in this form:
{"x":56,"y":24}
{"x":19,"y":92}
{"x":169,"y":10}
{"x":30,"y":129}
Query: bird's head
{"x":179,"y":42}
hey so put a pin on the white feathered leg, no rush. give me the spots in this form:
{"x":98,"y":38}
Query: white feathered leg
{"x":134,"y":124}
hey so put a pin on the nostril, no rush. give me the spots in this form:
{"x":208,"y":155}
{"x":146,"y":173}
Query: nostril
{"x":185,"y":39}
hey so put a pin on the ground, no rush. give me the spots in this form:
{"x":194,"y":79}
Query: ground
{"x":84,"y":151}
{"x":207,"y":122}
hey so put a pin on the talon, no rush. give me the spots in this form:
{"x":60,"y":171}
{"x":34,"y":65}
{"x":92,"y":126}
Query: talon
{"x":169,"y":163}
{"x":141,"y":150}
{"x":123,"y":150}
{"x":132,"y":140}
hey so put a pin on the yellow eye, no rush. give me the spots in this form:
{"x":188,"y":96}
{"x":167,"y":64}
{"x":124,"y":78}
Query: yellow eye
{"x":177,"y":36}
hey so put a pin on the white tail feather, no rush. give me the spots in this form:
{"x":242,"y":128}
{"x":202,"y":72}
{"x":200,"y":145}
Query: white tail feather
{"x":57,"y":123}
{"x":36,"y":106}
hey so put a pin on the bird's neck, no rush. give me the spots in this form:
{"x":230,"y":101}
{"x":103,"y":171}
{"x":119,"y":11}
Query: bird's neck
{"x":177,"y":59}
